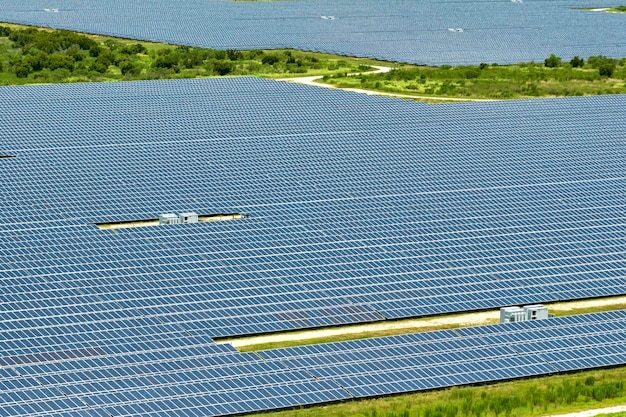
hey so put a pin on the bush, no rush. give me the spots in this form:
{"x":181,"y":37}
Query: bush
{"x":472,"y":73}
{"x":128,"y":68}
{"x":606,"y":70}
{"x":22,"y":70}
{"x":5,"y":31}
{"x":577,"y":62}
{"x":270,"y":59}
{"x":552,"y":61}
{"x":222,"y":67}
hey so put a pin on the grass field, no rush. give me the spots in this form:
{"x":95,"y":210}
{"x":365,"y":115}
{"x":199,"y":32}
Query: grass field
{"x":522,"y":398}
{"x":598,"y":75}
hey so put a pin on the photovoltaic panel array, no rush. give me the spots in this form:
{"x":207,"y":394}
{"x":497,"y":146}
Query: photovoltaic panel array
{"x":152,"y":370}
{"x":168,"y":373}
{"x":360,"y":208}
{"x":431,"y":32}
{"x":423,"y":361}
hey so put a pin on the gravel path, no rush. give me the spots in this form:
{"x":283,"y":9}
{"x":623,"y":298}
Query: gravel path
{"x":379,"y":69}
{"x":595,"y":412}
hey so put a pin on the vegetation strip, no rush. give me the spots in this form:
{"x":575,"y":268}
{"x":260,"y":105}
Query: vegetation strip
{"x":34,"y":56}
{"x":552,"y":78}
{"x":380,"y":329}
{"x":31,"y":55}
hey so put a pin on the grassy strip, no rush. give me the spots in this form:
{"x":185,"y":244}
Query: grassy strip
{"x":586,"y":310}
{"x":599,"y":75}
{"x":341,"y":338}
{"x":563,"y":311}
{"x":556,"y":394}
{"x":31,"y":55}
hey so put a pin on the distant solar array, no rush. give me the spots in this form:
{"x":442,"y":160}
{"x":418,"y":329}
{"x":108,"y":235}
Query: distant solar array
{"x":424,"y":32}
{"x":361,"y":208}
{"x":170,"y":373}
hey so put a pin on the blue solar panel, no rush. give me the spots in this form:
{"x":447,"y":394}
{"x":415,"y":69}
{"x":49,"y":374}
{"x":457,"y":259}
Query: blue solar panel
{"x":361,"y":209}
{"x":425,"y":32}
{"x":422,"y":361}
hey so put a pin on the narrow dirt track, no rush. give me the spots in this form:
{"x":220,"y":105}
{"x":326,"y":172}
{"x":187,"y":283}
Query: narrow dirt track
{"x":379,"y":69}
{"x":595,"y":412}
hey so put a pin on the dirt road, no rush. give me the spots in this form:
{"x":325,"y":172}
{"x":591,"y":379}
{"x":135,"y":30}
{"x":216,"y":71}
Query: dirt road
{"x":595,"y":412}
{"x":379,"y":69}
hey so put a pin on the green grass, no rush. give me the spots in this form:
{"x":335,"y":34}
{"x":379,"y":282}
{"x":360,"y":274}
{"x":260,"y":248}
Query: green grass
{"x":34,"y":56}
{"x":340,"y":338}
{"x":618,"y":9}
{"x":525,"y":80}
{"x":521,"y":398}
{"x":587,"y":310}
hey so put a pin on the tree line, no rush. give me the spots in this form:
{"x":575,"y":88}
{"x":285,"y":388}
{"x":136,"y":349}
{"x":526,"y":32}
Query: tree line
{"x":60,"y":56}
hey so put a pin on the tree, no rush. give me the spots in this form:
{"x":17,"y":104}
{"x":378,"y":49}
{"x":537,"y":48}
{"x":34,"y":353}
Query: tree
{"x":167,"y":61}
{"x":105,"y":57}
{"x":552,"y":61}
{"x":270,"y":59}
{"x":37,"y":61}
{"x":577,"y":62}
{"x":234,"y":55}
{"x":128,"y":68}
{"x":57,"y":61}
{"x":99,"y":67}
{"x":134,"y":49}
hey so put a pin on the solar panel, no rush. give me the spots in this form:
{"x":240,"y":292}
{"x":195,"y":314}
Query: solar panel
{"x":361,"y":209}
{"x":395,"y":364}
{"x":425,"y":32}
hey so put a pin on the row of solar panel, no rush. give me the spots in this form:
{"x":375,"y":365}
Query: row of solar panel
{"x":431,"y":32}
{"x":351,"y":218}
{"x":477,"y":354}
{"x":217,"y":380}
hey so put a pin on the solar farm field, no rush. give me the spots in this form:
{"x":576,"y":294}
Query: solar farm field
{"x":431,"y":32}
{"x":342,"y":208}
{"x":145,"y":224}
{"x":354,"y":209}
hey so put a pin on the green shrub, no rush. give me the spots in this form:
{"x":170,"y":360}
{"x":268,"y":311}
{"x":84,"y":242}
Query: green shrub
{"x":552,"y":61}
{"x":606,"y":70}
{"x":577,"y":62}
